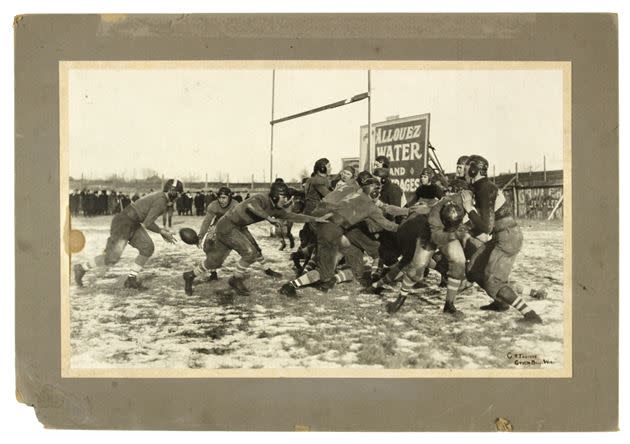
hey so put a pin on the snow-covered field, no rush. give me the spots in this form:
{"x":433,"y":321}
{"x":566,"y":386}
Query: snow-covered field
{"x":112,"y":327}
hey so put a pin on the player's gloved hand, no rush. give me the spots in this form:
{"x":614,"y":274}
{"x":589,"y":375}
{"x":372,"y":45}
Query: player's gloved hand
{"x":483,"y":237}
{"x":168,"y":236}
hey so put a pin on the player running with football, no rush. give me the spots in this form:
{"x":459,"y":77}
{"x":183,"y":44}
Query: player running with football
{"x":130,"y":227}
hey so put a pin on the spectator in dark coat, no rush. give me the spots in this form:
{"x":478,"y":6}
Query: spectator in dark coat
{"x":200,"y":203}
{"x":179,"y":205}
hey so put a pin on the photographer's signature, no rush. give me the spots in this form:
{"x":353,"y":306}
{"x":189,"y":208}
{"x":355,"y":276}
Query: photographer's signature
{"x":527,"y":359}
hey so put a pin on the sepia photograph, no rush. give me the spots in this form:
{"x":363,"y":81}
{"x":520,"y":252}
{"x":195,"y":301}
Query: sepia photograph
{"x":315,"y":218}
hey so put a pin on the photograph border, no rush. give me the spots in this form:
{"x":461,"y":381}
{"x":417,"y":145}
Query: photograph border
{"x":68,"y":372}
{"x":588,"y":401}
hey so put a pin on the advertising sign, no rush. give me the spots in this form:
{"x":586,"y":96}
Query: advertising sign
{"x":404,"y":142}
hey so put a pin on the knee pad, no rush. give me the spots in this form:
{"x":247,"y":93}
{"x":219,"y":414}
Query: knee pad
{"x":147,"y":250}
{"x":113,"y":252}
{"x":251,"y":256}
{"x":457,"y":270}
{"x":112,"y":258}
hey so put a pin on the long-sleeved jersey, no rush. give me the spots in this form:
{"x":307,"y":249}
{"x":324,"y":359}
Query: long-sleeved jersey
{"x":314,"y":190}
{"x":339,"y":193}
{"x":391,"y":193}
{"x":147,"y":209}
{"x":490,"y":206}
{"x":259,"y":207}
{"x":358,"y":207}
{"x":213,"y":214}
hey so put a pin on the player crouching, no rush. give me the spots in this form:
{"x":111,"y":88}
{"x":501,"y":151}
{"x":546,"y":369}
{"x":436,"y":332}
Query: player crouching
{"x":231,"y":234}
{"x":130,"y":227}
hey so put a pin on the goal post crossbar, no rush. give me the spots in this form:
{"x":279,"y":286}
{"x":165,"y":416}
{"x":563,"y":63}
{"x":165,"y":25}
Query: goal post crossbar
{"x":353,"y":99}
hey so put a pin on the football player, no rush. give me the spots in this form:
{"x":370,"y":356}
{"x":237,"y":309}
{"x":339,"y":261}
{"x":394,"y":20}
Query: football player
{"x":460,"y":169}
{"x":489,"y":213}
{"x":391,"y":195}
{"x":130,"y":227}
{"x":428,"y":191}
{"x":318,"y":185}
{"x":315,"y":189}
{"x":351,"y":210}
{"x":216,"y":209}
{"x":230,"y":235}
{"x":416,"y":239}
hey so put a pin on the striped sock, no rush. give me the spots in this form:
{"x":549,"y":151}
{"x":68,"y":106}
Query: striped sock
{"x":310,"y":265}
{"x":376,"y":266}
{"x":135,"y":269}
{"x":521,"y":306}
{"x":452,"y":285}
{"x":343,"y":276}
{"x":305,"y":279}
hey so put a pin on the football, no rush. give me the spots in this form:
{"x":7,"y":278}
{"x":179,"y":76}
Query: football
{"x":189,"y":236}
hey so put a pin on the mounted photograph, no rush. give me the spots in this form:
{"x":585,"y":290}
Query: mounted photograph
{"x":315,"y":219}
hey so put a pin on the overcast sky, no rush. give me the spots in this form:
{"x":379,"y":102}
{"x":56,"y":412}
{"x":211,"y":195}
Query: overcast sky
{"x":193,"y":122}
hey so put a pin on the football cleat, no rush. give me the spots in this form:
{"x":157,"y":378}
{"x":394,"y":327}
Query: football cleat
{"x":288,"y":290}
{"x":79,"y":272}
{"x":212,"y":276}
{"x":238,"y":285}
{"x":295,"y":257}
{"x":273,"y":274}
{"x":393,"y":307}
{"x":495,"y":306}
{"x":531,"y":317}
{"x":325,"y":286}
{"x":189,"y":277}
{"x":538,"y":293}
{"x":451,"y":310}
{"x":376,"y":289}
{"x":133,"y":282}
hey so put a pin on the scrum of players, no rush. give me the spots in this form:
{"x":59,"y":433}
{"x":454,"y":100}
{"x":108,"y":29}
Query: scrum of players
{"x":463,"y":229}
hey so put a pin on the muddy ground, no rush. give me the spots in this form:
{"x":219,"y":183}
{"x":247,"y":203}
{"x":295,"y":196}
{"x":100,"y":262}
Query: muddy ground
{"x":112,"y":327}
